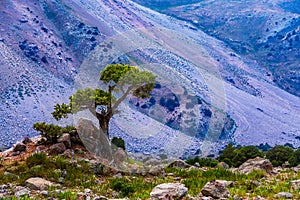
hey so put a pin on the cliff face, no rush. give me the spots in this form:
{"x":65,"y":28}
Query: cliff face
{"x":50,"y":48}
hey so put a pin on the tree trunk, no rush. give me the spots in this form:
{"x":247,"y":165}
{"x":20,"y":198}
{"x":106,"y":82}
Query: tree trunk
{"x":103,"y":123}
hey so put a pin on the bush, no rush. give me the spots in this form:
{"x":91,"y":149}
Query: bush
{"x":203,"y":162}
{"x":51,"y":131}
{"x":119,"y":142}
{"x":123,"y":186}
{"x":236,"y":156}
{"x":294,"y":159}
{"x":279,"y":154}
{"x":36,"y":159}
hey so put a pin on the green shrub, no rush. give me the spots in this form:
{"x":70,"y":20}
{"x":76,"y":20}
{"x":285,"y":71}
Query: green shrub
{"x":279,"y":154}
{"x":51,"y":131}
{"x":294,"y":159}
{"x":236,"y":156}
{"x":118,"y":142}
{"x":36,"y":159}
{"x":203,"y":162}
{"x":122,"y":185}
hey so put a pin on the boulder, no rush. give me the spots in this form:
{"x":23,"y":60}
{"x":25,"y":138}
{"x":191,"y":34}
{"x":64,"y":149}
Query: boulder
{"x":157,"y":170}
{"x":169,"y":191}
{"x":284,"y":195}
{"x":256,"y":164}
{"x":216,"y":189}
{"x":66,"y":139}
{"x":179,"y":164}
{"x":223,"y":165}
{"x":95,"y":140}
{"x":120,"y":156}
{"x":37,"y":183}
{"x":20,"y":147}
{"x":57,"y":148}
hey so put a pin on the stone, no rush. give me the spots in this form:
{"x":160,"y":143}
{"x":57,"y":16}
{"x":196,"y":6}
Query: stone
{"x":256,"y":164}
{"x":259,"y":198}
{"x":169,"y":191}
{"x":26,"y":140}
{"x":179,"y":164}
{"x":20,"y":191}
{"x":20,"y":147}
{"x":37,"y":183}
{"x":285,"y":195}
{"x":216,"y":189}
{"x":66,"y":139}
{"x":120,"y":156}
{"x":57,"y":148}
{"x":295,"y":184}
{"x":68,"y":154}
{"x":223,"y":165}
{"x":296,"y":169}
{"x":100,"y":198}
{"x":158,"y":170}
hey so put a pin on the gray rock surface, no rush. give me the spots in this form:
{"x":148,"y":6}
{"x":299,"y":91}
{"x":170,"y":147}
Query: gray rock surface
{"x":216,"y":189}
{"x":169,"y":191}
{"x":256,"y":164}
{"x":285,"y":195}
{"x":37,"y":183}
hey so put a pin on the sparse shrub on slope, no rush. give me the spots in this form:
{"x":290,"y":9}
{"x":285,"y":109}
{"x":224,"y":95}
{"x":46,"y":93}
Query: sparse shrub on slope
{"x":279,"y":154}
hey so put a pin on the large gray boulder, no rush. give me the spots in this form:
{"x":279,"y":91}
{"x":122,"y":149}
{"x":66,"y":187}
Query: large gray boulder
{"x":256,"y":164}
{"x":216,"y":189}
{"x":169,"y":191}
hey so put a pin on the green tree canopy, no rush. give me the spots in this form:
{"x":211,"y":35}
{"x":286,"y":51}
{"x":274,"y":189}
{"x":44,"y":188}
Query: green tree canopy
{"x":119,"y":79}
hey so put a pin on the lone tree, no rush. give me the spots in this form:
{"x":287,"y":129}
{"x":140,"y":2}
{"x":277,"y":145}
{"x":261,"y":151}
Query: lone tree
{"x":118,"y":78}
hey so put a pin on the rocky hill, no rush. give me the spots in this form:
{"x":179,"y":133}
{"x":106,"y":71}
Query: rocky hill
{"x":210,"y":93}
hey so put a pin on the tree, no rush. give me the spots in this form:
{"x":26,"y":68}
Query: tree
{"x":279,"y":154}
{"x":119,"y":79}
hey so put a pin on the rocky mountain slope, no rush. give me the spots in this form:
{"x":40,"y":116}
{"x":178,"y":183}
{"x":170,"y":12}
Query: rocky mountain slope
{"x":50,"y":48}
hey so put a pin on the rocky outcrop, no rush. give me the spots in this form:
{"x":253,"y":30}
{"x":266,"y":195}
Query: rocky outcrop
{"x":216,"y":189}
{"x":169,"y":191}
{"x":256,"y":164}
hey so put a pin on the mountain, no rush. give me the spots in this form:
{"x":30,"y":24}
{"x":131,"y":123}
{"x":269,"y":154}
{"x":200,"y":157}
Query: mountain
{"x":264,"y":31}
{"x":207,"y":92}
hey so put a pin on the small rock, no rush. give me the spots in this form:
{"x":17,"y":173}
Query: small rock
{"x":37,"y":183}
{"x":169,"y":191}
{"x":296,"y":184}
{"x":255,"y":182}
{"x":20,"y":191}
{"x":44,"y":193}
{"x":66,"y":139}
{"x":20,"y":147}
{"x":216,"y":189}
{"x":57,"y":149}
{"x":285,"y":195}
{"x":259,"y":198}
{"x":26,"y":140}
{"x":100,"y":198}
{"x":120,"y":156}
{"x":179,"y":164}
{"x":223,"y":165}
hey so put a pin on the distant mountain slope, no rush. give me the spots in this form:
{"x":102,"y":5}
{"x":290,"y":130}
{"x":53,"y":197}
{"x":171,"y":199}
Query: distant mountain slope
{"x":213,"y":94}
{"x":265,"y":31}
